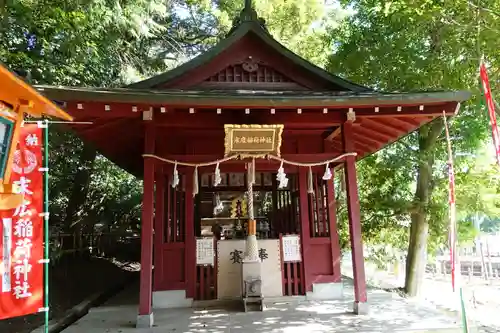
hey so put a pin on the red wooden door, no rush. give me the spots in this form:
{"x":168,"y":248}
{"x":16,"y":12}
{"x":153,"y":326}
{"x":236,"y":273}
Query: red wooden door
{"x":320,"y":244}
{"x":170,"y":251}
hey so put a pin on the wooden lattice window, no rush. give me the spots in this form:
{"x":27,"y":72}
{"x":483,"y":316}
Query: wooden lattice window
{"x":249,"y":72}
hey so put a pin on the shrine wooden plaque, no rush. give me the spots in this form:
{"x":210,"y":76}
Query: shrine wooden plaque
{"x":252,"y":140}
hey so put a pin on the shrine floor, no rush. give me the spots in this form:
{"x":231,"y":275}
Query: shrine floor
{"x":388,"y":313}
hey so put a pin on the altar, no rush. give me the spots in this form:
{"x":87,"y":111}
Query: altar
{"x":222,"y":216}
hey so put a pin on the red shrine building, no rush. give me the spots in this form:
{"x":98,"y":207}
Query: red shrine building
{"x":193,"y":233}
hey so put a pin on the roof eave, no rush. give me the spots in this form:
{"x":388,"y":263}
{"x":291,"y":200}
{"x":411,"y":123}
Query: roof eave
{"x":207,"y":99}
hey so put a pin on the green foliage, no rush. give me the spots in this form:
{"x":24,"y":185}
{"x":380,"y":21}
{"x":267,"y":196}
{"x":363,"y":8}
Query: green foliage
{"x":378,"y":47}
{"x":112,"y":43}
{"x":408,"y":46}
{"x":87,"y":43}
{"x":467,"y":233}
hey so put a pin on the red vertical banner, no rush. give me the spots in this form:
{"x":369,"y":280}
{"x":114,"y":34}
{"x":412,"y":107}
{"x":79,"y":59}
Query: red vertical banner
{"x":21,"y":232}
{"x":451,"y":200}
{"x":453,"y":225}
{"x":491,"y":109}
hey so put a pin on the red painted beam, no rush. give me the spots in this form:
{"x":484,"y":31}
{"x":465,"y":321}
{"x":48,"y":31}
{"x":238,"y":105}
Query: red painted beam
{"x":388,"y":122}
{"x":107,"y":125}
{"x":113,"y":109}
{"x":367,"y":141}
{"x":382,"y":128}
{"x":404,"y":111}
{"x":378,"y":136}
{"x":146,"y":276}
{"x":360,"y":295}
{"x":410,"y":126}
{"x":333,"y":134}
{"x":190,"y":240}
{"x":218,"y":133}
{"x":159,"y":223}
{"x":305,"y":230}
{"x":334,"y":236}
{"x":361,"y":149}
{"x":313,"y":120}
{"x":363,"y":111}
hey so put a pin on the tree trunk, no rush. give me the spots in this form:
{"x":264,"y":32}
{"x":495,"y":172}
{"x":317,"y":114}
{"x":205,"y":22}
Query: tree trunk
{"x":80,"y":189}
{"x":488,"y":256}
{"x":419,"y":229}
{"x":484,"y":271}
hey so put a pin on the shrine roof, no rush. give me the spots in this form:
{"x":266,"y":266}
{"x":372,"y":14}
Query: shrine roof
{"x":250,"y":98}
{"x":249,"y":23}
{"x":182,"y":105}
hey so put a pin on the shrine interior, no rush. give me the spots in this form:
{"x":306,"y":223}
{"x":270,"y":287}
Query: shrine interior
{"x":221,"y":211}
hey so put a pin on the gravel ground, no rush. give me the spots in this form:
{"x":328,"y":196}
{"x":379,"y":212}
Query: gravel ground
{"x":482,"y":299}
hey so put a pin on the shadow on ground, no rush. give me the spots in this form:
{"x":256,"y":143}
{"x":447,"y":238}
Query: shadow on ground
{"x":388,"y":313}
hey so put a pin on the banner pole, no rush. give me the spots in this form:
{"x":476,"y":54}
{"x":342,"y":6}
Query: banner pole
{"x":46,"y":221}
{"x":456,"y":280}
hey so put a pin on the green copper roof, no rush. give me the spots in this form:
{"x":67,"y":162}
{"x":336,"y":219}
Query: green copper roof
{"x":249,"y":98}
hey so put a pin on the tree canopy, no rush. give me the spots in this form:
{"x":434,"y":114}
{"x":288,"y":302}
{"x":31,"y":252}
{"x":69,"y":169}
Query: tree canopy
{"x":406,"y":46}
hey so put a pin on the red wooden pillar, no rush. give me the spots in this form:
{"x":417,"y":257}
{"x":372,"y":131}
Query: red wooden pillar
{"x":145,"y":317}
{"x":159,"y":227}
{"x":305,"y":233}
{"x":358,"y":262}
{"x":334,"y":236}
{"x":190,"y":241}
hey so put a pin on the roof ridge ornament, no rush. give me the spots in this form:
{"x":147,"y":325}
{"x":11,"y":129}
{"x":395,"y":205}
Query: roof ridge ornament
{"x":248,"y":14}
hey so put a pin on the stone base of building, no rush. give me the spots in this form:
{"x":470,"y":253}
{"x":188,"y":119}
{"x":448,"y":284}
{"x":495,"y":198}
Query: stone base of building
{"x":326,"y":291}
{"x":360,"y":308}
{"x":145,"y":321}
{"x":168,"y":299}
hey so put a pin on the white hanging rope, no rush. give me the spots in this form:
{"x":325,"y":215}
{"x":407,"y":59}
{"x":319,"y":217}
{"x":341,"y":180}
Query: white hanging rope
{"x":310,"y":186}
{"x":217,"y":176}
{"x":272,"y":157}
{"x":191,"y":164}
{"x":340,"y":157}
{"x":328,"y":172}
{"x":175,"y":177}
{"x":250,"y":194}
{"x":195,"y":182}
{"x":280,"y":176}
